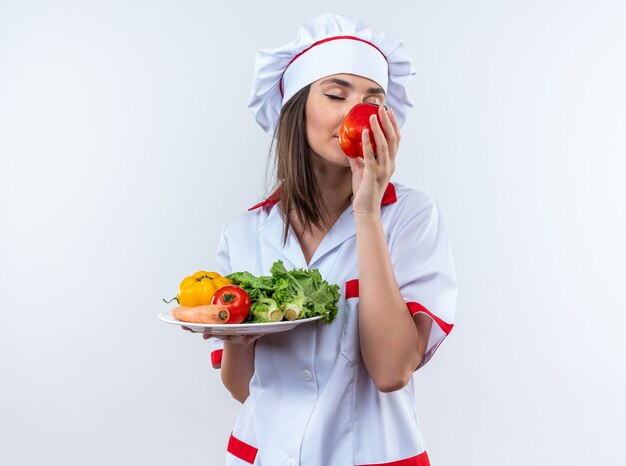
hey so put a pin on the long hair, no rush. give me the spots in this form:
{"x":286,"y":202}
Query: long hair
{"x":299,"y":190}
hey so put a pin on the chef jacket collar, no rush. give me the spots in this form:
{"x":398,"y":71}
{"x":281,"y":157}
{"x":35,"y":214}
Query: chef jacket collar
{"x":388,"y":198}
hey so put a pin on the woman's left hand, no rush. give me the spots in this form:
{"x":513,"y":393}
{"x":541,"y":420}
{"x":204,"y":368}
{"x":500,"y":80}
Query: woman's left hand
{"x":371,"y":174}
{"x":240,"y":339}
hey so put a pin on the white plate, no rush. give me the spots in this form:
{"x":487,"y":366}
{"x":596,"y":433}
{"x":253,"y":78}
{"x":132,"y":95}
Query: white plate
{"x":237,"y":329}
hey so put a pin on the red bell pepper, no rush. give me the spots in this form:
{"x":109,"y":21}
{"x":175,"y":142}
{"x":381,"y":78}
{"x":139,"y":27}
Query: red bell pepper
{"x":357,"y":119}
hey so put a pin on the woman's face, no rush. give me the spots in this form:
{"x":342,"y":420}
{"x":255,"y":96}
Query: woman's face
{"x":329,"y":101}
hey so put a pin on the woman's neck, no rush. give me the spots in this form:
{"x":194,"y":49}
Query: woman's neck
{"x":335,"y":185}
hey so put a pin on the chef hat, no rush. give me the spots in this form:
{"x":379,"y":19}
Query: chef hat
{"x":330,"y":44}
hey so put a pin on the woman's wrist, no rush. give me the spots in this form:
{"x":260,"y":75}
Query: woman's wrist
{"x":365,"y":218}
{"x":239,"y":346}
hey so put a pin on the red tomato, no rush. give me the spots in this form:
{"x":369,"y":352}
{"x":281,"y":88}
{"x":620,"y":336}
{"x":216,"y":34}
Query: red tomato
{"x":236,"y":300}
{"x":357,"y":119}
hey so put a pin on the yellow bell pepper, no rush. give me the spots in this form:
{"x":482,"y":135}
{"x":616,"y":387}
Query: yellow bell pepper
{"x":199,"y":288}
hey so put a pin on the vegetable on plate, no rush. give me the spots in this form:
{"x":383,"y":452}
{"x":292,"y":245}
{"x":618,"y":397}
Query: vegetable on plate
{"x":205,"y":314}
{"x":198,"y":289}
{"x":236,"y":300}
{"x":294,"y":294}
{"x":240,"y":297}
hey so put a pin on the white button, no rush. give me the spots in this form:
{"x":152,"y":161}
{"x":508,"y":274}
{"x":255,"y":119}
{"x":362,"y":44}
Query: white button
{"x":291,"y":462}
{"x":306,"y":376}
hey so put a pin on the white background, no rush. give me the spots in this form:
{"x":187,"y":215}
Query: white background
{"x":126,"y":144}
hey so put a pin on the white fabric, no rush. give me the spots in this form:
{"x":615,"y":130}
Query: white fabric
{"x":266,"y":100}
{"x":311,"y":398}
{"x":348,"y":55}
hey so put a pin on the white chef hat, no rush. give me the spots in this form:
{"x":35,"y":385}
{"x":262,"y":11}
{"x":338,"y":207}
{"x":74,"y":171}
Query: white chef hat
{"x":330,"y":44}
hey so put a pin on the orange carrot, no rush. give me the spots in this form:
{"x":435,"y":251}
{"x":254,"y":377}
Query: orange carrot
{"x":207,"y":314}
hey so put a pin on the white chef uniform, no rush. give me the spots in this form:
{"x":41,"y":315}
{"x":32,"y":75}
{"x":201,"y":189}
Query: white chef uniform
{"x":312,"y":401}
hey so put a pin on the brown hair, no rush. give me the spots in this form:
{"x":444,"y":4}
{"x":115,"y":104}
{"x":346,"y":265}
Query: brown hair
{"x":299,"y":191}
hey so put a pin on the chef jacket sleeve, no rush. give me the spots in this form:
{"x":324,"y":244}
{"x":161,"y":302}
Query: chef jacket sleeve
{"x":422,"y":261}
{"x":223,"y":268}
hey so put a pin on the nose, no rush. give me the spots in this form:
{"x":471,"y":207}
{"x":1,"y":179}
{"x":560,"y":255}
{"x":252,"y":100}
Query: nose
{"x":343,"y":112}
{"x":349,"y":105}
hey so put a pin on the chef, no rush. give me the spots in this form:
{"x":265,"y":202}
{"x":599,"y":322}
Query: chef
{"x":342,"y":393}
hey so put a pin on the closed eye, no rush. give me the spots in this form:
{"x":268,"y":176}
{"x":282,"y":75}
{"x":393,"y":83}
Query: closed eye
{"x":334,"y":97}
{"x":375,"y":101}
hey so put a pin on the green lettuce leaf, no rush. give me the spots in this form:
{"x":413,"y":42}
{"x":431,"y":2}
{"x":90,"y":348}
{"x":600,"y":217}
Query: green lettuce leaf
{"x":297,"y":293}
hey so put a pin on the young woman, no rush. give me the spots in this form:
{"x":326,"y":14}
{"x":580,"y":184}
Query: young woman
{"x":342,"y":393}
